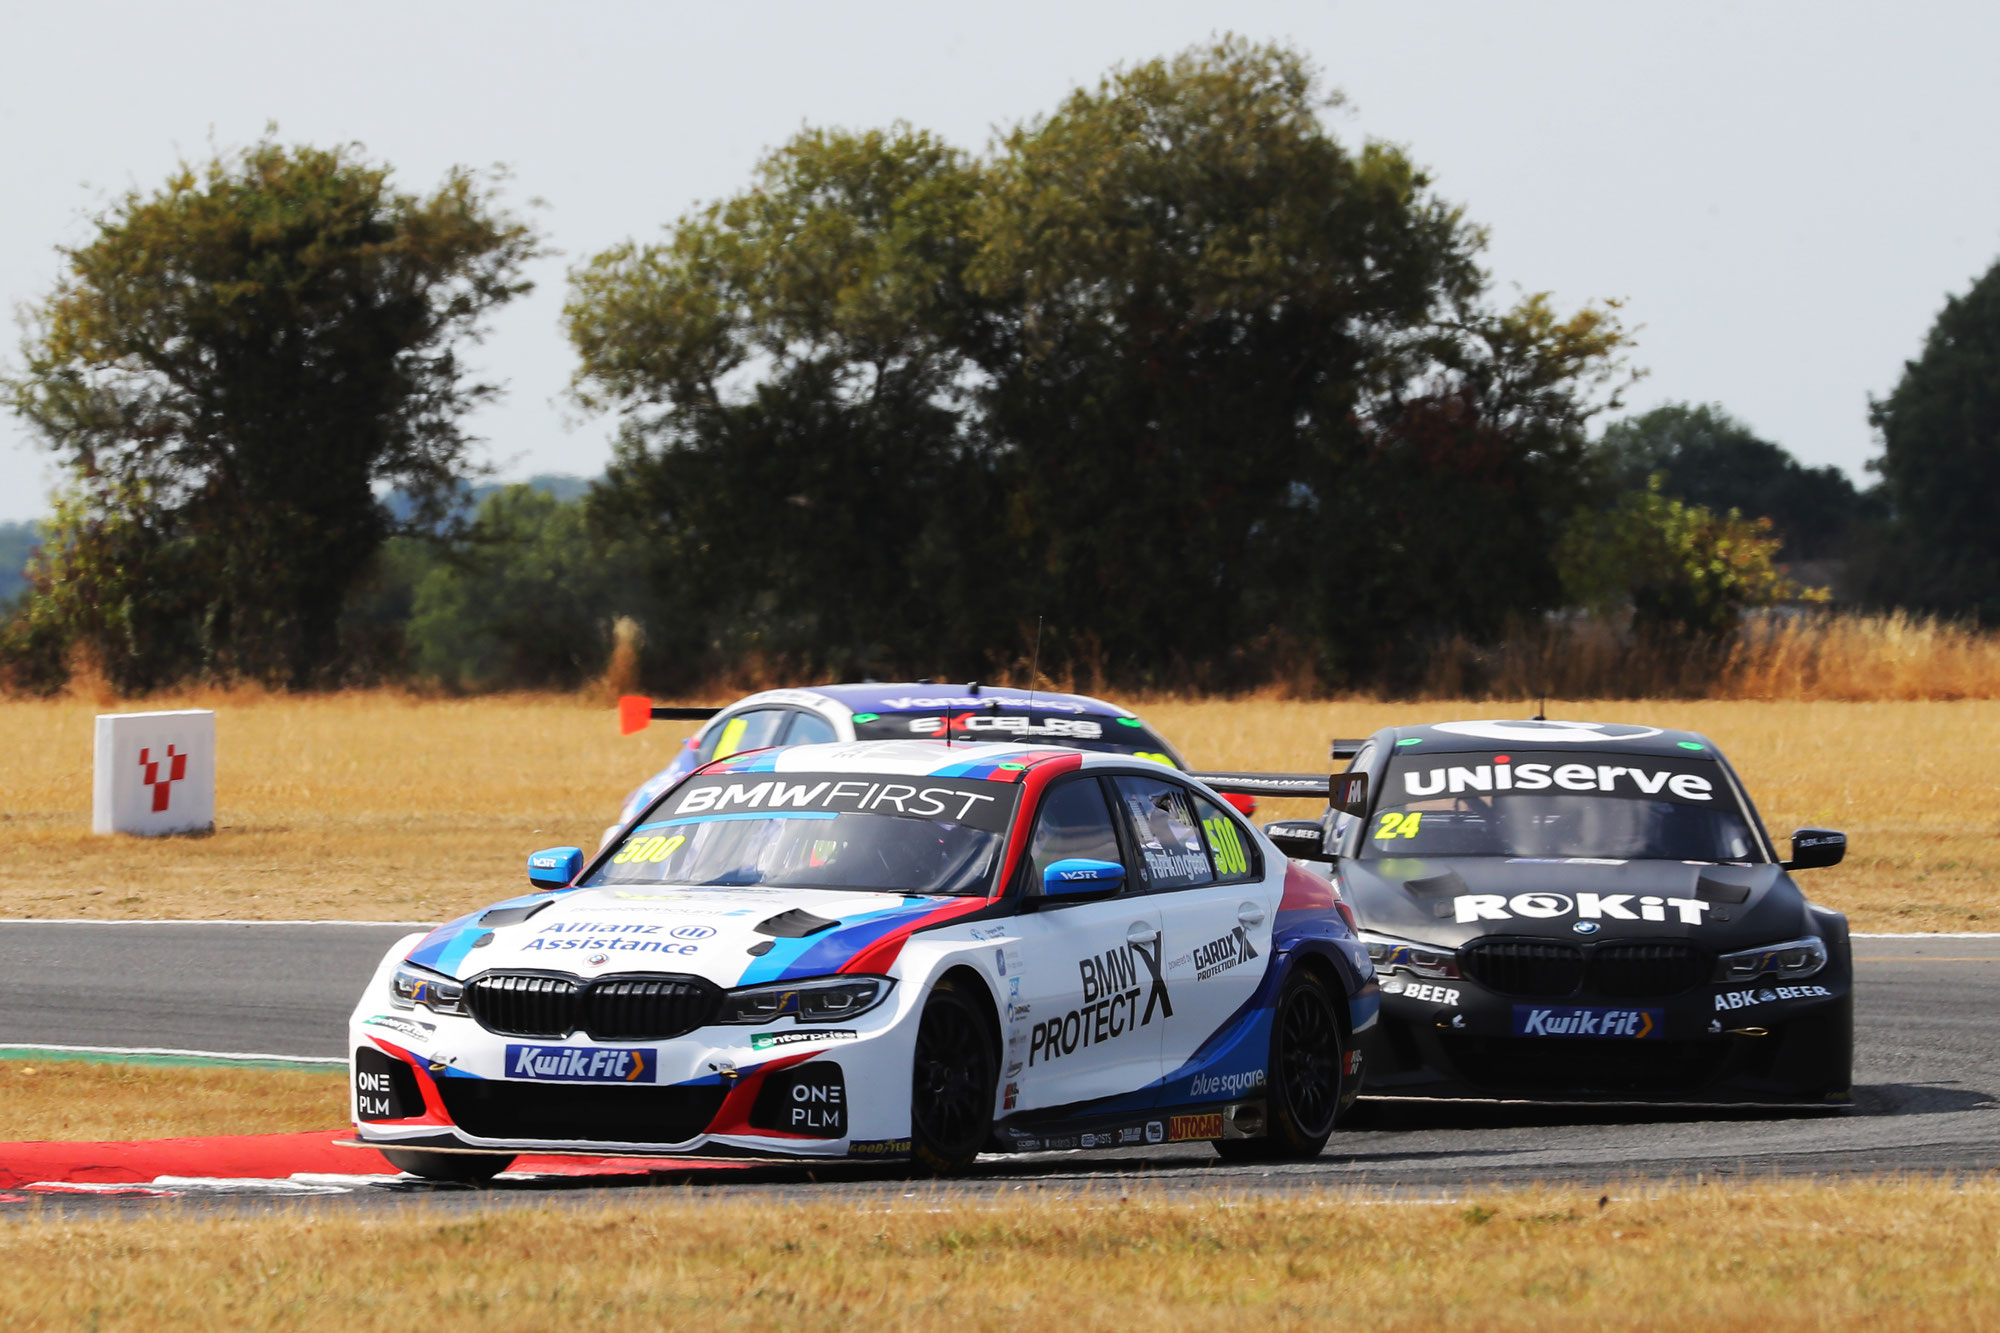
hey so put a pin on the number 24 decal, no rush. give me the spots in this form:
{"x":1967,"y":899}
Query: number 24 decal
{"x":1394,"y":825}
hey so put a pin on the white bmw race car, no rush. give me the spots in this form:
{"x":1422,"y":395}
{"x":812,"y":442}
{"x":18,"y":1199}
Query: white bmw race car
{"x":889,"y":949}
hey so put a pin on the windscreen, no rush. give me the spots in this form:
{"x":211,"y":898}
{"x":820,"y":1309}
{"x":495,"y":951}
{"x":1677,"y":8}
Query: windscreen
{"x":1102,"y":732}
{"x":1558,"y":805}
{"x":820,"y":831}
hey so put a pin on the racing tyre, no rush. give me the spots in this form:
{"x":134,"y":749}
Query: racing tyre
{"x":1303,"y":1096}
{"x":951,"y":1084}
{"x":467,"y":1168}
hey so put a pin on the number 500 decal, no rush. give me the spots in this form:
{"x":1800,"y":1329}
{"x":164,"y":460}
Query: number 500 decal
{"x":648,"y":849}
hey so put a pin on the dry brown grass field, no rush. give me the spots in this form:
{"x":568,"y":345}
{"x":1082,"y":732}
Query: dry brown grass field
{"x":43,"y":1099}
{"x":1777,"y":1256}
{"x":392,"y":806}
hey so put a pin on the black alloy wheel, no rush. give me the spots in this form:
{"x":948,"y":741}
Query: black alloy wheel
{"x":951,"y":1083}
{"x":466,"y":1168}
{"x":1303,"y":1095}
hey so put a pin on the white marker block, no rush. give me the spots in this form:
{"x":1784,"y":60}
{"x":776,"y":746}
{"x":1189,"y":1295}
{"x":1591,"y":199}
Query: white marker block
{"x":155,"y":773}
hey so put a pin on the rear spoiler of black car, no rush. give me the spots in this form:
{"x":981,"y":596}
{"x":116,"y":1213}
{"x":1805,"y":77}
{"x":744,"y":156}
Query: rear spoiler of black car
{"x":636,"y":712}
{"x":1344,"y":749}
{"x":1346,"y":792}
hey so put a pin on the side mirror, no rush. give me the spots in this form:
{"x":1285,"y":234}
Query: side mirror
{"x":1300,"y":839}
{"x":1081,"y":877}
{"x":1814,"y":848}
{"x":1348,"y":793}
{"x":556,"y":868}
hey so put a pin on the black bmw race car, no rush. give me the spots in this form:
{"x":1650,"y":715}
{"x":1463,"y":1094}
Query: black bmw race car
{"x":1584,"y":911}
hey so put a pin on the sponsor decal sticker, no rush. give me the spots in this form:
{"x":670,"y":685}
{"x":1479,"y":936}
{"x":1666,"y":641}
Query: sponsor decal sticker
{"x":582,"y":1064}
{"x":1226,"y":1085}
{"x":1219,"y":955}
{"x":1743,"y":999}
{"x":879,"y":1148}
{"x":1181,"y":1128}
{"x":1562,"y":733}
{"x":1435,"y":994}
{"x":409,"y":1027}
{"x":605,"y":937}
{"x":1538,"y":1020}
{"x":1111,"y":1003}
{"x":1469,"y":907}
{"x":764,"y":1041}
{"x":976,"y":804}
{"x":1504,"y":775}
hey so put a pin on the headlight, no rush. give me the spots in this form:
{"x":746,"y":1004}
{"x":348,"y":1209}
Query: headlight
{"x":412,"y":986}
{"x":1390,"y":954}
{"x":833,"y":1000}
{"x":1793,"y":958}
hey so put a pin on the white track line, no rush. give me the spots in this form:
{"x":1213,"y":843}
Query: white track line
{"x":1927,"y":935}
{"x":426,"y":925}
{"x":170,"y":1050}
{"x":192,"y":921}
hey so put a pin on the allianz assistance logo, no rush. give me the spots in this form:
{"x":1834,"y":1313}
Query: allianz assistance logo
{"x":161,"y":783}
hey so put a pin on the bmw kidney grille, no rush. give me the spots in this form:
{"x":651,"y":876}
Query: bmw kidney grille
{"x":528,"y":1004}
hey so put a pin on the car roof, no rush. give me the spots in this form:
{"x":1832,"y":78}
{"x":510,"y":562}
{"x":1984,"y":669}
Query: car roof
{"x":1547,"y":734}
{"x":926,"y":696}
{"x":930,"y":759}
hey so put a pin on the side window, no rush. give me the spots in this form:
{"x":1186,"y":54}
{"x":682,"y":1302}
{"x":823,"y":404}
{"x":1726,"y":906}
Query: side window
{"x":1075,"y":821}
{"x":1234,"y":856}
{"x":809,"y":729}
{"x":1161,"y":818}
{"x":746,"y":731}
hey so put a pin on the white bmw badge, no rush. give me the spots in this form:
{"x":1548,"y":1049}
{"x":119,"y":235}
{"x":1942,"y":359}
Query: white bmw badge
{"x":1584,"y":927}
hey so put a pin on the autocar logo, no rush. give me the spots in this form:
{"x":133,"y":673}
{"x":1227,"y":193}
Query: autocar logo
{"x":1586,"y":927}
{"x":692,"y":932}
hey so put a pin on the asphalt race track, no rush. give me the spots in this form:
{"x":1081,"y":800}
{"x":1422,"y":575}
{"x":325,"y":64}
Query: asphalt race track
{"x":1927,"y":1073}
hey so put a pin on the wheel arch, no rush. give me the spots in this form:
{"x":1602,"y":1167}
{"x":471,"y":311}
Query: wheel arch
{"x":971,"y":981}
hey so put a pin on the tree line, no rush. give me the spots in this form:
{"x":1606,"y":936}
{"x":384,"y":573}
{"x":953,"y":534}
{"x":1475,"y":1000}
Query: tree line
{"x":1170,"y":370}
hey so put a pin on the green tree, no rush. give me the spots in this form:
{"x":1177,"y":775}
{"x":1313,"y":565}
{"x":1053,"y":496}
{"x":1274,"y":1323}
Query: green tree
{"x":1173,"y":368}
{"x":526,"y":600}
{"x":1707,"y":457}
{"x":794,"y":450}
{"x":231,"y":365}
{"x":1685,"y":572}
{"x":1941,"y":462}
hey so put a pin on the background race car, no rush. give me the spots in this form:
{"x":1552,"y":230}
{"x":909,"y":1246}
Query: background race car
{"x":1586,"y":910}
{"x":881,"y":949}
{"x":920,"y":711}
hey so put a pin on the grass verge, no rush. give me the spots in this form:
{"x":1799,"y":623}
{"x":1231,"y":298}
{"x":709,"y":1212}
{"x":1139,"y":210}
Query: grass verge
{"x":384,"y":806}
{"x":1772,"y":1257}
{"x":43,"y":1098}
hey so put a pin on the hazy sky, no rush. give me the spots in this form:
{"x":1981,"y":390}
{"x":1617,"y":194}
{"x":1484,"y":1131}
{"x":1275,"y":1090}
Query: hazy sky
{"x":1782,"y":194}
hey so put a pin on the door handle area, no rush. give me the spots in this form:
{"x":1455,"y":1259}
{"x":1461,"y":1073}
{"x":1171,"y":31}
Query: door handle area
{"x":1250,"y":914}
{"x":1141,"y":932}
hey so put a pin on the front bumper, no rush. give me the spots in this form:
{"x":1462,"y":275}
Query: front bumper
{"x":1762,"y":1044}
{"x":425,"y":1080}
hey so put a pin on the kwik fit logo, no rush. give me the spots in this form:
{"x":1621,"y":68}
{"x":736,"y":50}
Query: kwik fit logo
{"x":581,"y":1064}
{"x":1537,"y":1020}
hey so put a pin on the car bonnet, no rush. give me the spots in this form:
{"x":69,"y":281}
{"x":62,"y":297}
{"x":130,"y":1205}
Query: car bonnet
{"x":732,"y":936}
{"x":1450,"y":901}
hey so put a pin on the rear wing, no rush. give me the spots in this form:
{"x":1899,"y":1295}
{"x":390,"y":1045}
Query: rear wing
{"x":636,"y":712}
{"x":1346,"y":792}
